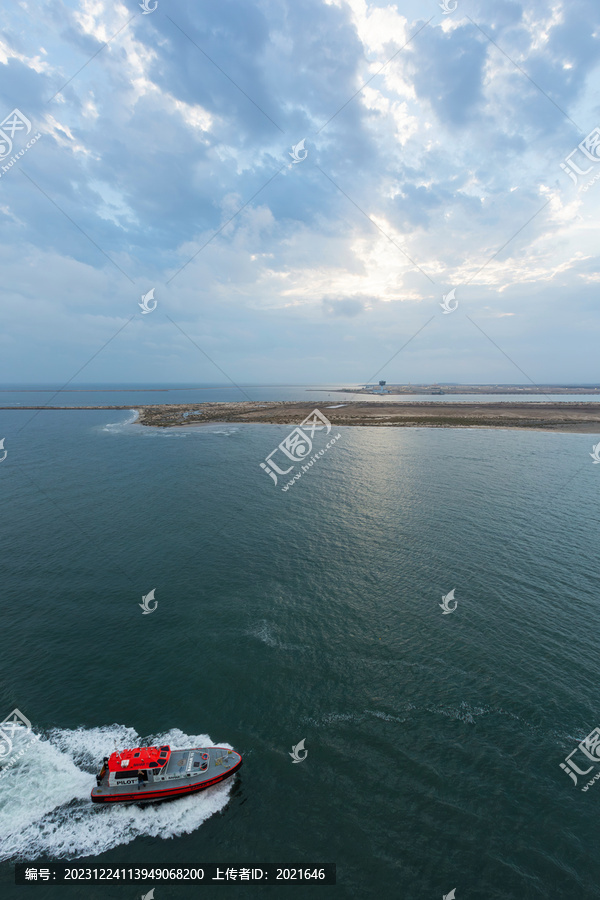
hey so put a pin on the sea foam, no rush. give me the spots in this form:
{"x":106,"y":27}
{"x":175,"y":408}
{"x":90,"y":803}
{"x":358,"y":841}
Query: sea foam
{"x":119,"y":426}
{"x":45,"y":806}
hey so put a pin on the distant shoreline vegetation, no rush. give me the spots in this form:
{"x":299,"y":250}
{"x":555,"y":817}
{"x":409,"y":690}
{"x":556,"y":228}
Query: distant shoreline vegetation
{"x":574,"y":416}
{"x":443,"y":388}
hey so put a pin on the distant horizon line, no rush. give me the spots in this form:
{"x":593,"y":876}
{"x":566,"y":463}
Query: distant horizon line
{"x":91,"y":387}
{"x":97,"y":387}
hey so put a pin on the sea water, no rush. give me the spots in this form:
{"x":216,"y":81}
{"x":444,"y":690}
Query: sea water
{"x":434,"y":742}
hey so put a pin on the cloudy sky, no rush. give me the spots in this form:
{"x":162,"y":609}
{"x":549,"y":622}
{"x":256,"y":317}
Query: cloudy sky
{"x":432,"y":159}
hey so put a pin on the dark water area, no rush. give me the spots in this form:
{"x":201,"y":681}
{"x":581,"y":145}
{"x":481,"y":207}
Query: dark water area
{"x":434,"y":741}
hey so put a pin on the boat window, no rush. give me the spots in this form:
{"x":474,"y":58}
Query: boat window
{"x":131,"y":774}
{"x":154,"y":765}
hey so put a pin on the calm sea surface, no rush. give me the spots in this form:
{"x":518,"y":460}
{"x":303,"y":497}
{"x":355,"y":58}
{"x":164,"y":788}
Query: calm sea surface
{"x":434,"y":741}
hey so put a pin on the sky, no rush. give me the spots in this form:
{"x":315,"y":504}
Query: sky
{"x":439,"y":152}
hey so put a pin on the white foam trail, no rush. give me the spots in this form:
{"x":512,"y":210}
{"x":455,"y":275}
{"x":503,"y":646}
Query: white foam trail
{"x":45,"y":806}
{"x":264,"y":632}
{"x":118,"y":426}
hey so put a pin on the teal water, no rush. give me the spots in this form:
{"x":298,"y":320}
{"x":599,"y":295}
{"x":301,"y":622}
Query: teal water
{"x":434,"y":741}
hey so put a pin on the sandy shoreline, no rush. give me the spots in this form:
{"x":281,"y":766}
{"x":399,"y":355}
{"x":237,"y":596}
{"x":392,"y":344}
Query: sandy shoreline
{"x":568,"y":417}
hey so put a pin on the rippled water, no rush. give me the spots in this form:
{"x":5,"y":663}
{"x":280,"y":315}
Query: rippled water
{"x":434,"y":741}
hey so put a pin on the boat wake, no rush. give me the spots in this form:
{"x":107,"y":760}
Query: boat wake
{"x":45,"y":806}
{"x":264,"y":632}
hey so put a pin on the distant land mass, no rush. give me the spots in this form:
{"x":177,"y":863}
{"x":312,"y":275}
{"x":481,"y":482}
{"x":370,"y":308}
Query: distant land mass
{"x":451,"y":388}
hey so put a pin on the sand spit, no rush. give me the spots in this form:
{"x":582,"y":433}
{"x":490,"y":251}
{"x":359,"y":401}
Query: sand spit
{"x":549,"y":416}
{"x":576,"y":417}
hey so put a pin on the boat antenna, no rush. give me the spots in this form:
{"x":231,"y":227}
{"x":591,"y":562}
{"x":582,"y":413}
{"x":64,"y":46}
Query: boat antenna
{"x":116,"y":748}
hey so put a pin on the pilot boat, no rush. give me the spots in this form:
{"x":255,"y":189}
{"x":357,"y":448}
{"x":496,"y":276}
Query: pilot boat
{"x":148,"y":774}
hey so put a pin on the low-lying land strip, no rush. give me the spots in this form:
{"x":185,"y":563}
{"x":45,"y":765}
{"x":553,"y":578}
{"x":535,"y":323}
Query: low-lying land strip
{"x":541,"y":389}
{"x":574,"y":417}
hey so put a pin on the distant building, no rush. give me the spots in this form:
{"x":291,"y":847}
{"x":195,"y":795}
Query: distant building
{"x":371,"y":389}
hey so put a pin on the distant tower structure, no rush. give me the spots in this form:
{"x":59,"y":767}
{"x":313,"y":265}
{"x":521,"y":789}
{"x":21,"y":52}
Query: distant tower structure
{"x":382,"y":385}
